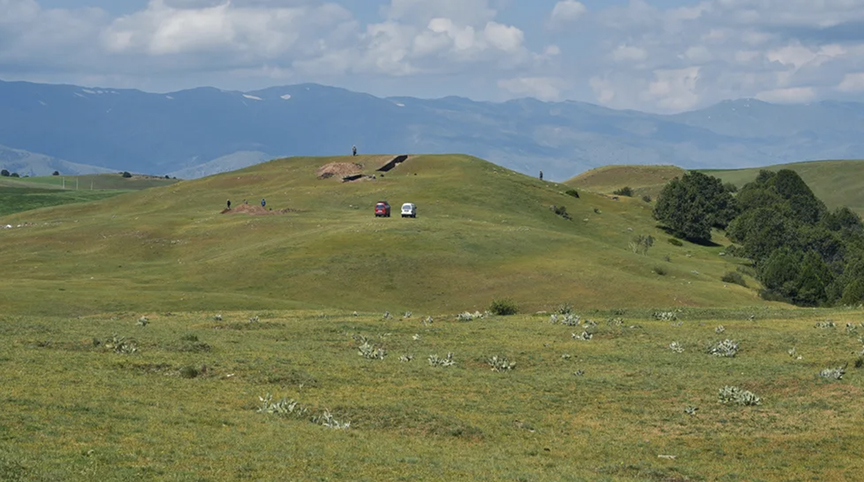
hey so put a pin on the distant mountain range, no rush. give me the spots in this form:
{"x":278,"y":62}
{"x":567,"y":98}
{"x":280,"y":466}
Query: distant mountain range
{"x":203,"y":131}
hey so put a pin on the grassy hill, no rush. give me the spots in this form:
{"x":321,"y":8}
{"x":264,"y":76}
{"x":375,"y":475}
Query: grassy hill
{"x":644,"y":180}
{"x":482,"y":232}
{"x":27,"y":193}
{"x":837,"y":183}
{"x":113,"y":182}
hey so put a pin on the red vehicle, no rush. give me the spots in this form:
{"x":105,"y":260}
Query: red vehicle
{"x":382,"y":210}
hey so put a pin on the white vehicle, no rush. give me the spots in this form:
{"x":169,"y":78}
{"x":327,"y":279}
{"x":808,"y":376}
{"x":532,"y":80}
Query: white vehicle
{"x":409,"y":210}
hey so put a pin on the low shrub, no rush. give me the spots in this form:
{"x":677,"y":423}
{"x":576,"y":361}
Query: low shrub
{"x":676,"y":242}
{"x":734,"y":277}
{"x":189,"y":372}
{"x":503,"y":307}
{"x":624,"y":191}
{"x":647,"y":199}
{"x":572,"y":192}
{"x":730,"y":394}
{"x":726,"y":348}
{"x":500,"y":364}
{"x":833,"y":373}
{"x":659,"y":270}
{"x":561,"y":211}
{"x":126,"y":174}
{"x":437,"y":361}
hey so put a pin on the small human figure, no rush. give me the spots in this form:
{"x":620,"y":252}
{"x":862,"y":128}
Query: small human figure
{"x":229,"y":204}
{"x":354,"y":150}
{"x":245,"y":202}
{"x":541,"y":175}
{"x":263,"y":203}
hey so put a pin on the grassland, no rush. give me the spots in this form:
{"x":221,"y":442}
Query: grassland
{"x":111,"y":182}
{"x":28,"y":193}
{"x":837,"y":183}
{"x":482,"y":232}
{"x":73,"y":409}
{"x":644,"y":180}
{"x":222,"y":309}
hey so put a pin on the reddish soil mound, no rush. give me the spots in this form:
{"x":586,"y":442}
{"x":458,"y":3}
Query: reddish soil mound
{"x":254,"y":210}
{"x":338,"y":169}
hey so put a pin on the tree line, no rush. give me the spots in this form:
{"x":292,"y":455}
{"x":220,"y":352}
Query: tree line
{"x":803,"y":252}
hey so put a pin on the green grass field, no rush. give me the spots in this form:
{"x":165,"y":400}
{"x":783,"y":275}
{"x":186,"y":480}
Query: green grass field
{"x":28,"y":193}
{"x":644,"y":180}
{"x":76,"y":410}
{"x":222,"y":309}
{"x":113,"y":182}
{"x":837,"y":183}
{"x":482,"y":232}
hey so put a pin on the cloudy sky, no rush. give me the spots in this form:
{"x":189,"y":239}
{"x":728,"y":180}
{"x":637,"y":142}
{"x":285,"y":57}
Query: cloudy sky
{"x":654,"y":55}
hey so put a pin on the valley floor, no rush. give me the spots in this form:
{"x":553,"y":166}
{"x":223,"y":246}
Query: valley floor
{"x":178,"y":396}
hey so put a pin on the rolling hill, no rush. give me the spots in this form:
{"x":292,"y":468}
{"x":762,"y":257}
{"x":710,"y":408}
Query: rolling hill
{"x":837,"y":183}
{"x":644,"y":180}
{"x":483,"y":232}
{"x":27,"y":193}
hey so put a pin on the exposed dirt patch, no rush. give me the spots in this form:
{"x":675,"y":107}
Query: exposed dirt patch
{"x":255,"y":210}
{"x":338,"y":169}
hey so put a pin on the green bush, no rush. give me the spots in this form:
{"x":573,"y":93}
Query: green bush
{"x":659,"y":270}
{"x":126,"y":174}
{"x":733,"y":277}
{"x":624,"y":191}
{"x":675,"y":242}
{"x":562,"y":211}
{"x":647,"y":199}
{"x":572,"y":192}
{"x":189,"y":372}
{"x":503,"y":307}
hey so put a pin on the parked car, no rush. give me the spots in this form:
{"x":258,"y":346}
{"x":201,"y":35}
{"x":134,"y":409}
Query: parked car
{"x":382,"y":210}
{"x":409,"y":210}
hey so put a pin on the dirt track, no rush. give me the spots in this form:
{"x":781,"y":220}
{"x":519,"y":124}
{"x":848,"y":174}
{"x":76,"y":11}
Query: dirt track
{"x":254,"y":210}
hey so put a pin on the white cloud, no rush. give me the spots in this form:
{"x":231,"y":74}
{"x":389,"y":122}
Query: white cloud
{"x":627,"y":53}
{"x":674,"y":90}
{"x":637,"y":54}
{"x":852,"y":83}
{"x":566,"y":12}
{"x":791,"y":95}
{"x":543,"y":88}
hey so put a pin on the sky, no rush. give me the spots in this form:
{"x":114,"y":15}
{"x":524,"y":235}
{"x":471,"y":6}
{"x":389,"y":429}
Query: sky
{"x":660,"y":56}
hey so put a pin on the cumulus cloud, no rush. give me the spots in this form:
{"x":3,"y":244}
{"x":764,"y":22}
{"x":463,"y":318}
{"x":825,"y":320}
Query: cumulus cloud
{"x":566,"y":12}
{"x":636,"y":55}
{"x":543,"y":88}
{"x":792,"y":95}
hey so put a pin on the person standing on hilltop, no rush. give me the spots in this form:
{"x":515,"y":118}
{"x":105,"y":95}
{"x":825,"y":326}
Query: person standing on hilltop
{"x":354,"y":150}
{"x":263,"y":203}
{"x":541,"y":175}
{"x":229,"y":204}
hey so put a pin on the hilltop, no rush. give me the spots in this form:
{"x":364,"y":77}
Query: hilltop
{"x":644,"y":180}
{"x":837,"y":183}
{"x":482,"y":232}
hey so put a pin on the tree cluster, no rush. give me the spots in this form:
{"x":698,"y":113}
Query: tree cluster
{"x":692,"y":205}
{"x":803,"y":253}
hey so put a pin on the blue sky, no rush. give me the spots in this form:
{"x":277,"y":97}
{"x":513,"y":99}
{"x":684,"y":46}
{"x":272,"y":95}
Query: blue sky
{"x":653,"y":55}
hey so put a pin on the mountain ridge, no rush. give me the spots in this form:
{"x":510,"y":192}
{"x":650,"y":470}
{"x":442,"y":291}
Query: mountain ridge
{"x":157,"y":133}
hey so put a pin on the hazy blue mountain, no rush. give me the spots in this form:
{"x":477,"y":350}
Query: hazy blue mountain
{"x":203,"y":131}
{"x":31,"y":164}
